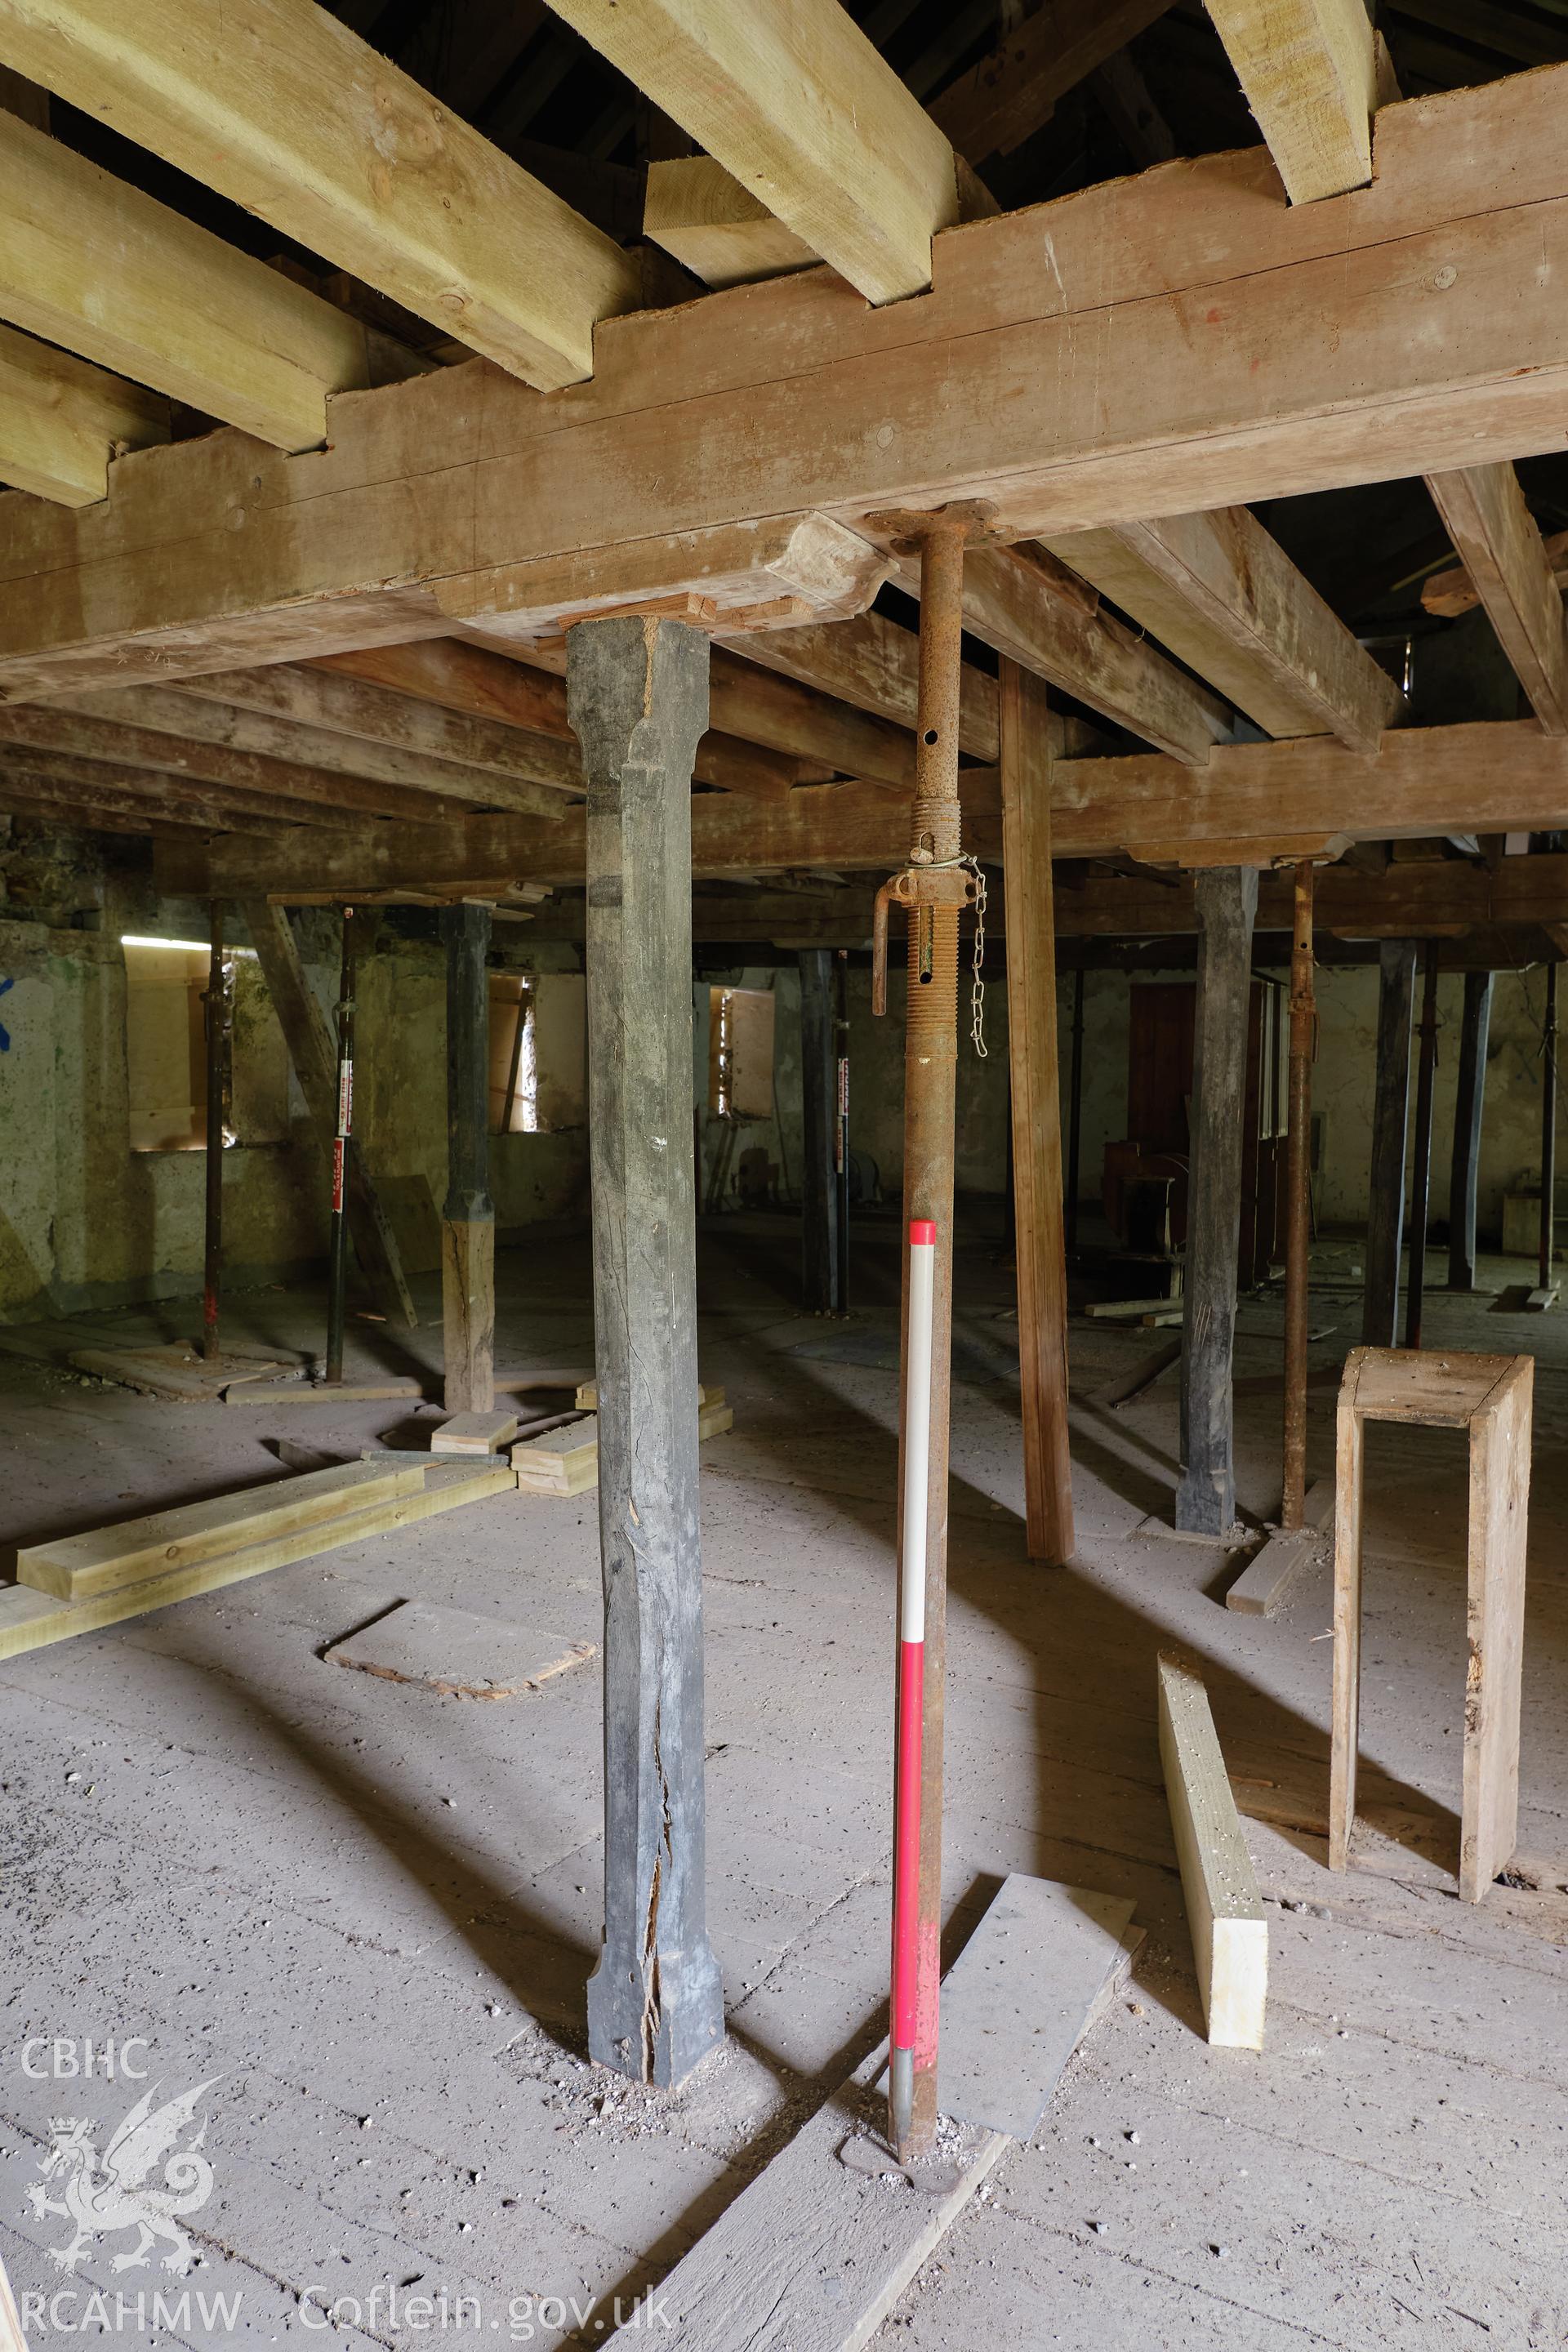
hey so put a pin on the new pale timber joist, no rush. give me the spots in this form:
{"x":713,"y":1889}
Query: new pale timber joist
{"x":715,"y":228}
{"x":1160,"y":344}
{"x":88,"y":262}
{"x":1310,"y":72}
{"x":284,"y":110}
{"x":796,"y":105}
{"x":1425,"y":782}
{"x":61,"y":421}
{"x":1227,"y":599}
{"x":1499,"y":541}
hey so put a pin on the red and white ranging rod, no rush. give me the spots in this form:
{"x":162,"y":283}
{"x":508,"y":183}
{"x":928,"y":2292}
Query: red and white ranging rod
{"x":915,"y":1992}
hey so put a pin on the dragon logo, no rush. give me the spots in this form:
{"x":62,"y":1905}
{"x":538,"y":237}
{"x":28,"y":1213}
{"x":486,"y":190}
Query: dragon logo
{"x":121,"y":2193}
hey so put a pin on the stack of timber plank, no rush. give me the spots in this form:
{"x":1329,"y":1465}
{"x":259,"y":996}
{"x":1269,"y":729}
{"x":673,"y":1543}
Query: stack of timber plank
{"x":566,"y":1461}
{"x":77,"y":1584}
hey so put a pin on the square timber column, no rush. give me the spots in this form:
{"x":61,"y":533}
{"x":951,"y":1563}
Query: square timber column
{"x":1227,"y":902}
{"x":1390,"y":1140}
{"x":468,"y":1217}
{"x":819,"y":1126}
{"x":638,"y":699}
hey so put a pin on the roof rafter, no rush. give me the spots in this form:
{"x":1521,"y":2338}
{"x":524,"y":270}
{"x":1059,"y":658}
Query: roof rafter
{"x":1308,"y":68}
{"x":1497,"y":539}
{"x":61,"y":421}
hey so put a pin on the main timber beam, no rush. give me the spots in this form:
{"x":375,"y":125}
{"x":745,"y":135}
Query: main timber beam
{"x":284,"y":110}
{"x":1424,"y":783}
{"x":1227,"y":599}
{"x":797,"y":106}
{"x":88,"y":262}
{"x":1169,"y":344}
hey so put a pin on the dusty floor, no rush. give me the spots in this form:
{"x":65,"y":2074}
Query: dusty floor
{"x":362,"y":1915}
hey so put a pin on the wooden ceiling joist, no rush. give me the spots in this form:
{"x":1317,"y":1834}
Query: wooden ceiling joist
{"x":61,"y":421}
{"x":146,"y":794}
{"x":1021,"y":607}
{"x":198,"y":718}
{"x":798,"y":107}
{"x":1310,"y":72}
{"x":1499,"y":543}
{"x":288,"y":112}
{"x":874,"y":664}
{"x":80,"y":736}
{"x":90,"y":263}
{"x":1226,"y":598}
{"x":714,"y":227}
{"x":1169,"y":344}
{"x":1005,"y":99}
{"x":1253,"y":804}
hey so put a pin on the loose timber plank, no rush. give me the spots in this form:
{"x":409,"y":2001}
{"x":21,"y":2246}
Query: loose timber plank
{"x":566,"y":1461}
{"x":90,"y":263}
{"x":286,"y":112}
{"x":77,"y":1568}
{"x":30,"y":1619}
{"x":326,"y":1392}
{"x":61,"y":421}
{"x":1499,"y":541}
{"x":1309,"y":73}
{"x":1225,"y":1911}
{"x":457,"y":1654}
{"x":799,"y":107}
{"x":1223,"y":594}
{"x":816,"y":2250}
{"x":474,"y":1432}
{"x":771,"y":402}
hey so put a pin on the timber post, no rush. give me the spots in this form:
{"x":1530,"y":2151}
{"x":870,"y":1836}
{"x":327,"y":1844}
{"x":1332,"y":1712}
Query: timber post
{"x":637,"y":695}
{"x":1036,"y":1129}
{"x":1421,"y":1180}
{"x":1226,"y":903}
{"x":467,"y":1214}
{"x":1390,"y":1133}
{"x":1549,"y":1128}
{"x":218,"y":1031}
{"x":820,"y":1240}
{"x":1468,"y":1106}
{"x":1299,"y":1191}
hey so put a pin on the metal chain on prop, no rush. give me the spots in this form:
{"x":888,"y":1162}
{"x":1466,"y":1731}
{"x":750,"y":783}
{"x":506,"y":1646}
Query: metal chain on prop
{"x":977,"y":989}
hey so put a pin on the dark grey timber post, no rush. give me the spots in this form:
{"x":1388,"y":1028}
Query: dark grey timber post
{"x":1468,"y":1104}
{"x":1390,"y":1135}
{"x":1227,"y":902}
{"x":637,"y":697}
{"x":819,"y":1108}
{"x":468,"y":1217}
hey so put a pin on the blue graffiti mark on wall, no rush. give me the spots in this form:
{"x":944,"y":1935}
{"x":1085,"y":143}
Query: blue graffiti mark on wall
{"x":4,"y":1033}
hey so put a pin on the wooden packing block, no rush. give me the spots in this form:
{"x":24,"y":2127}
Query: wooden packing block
{"x":474,"y":1432}
{"x":458,"y":1654}
{"x":566,"y":1461}
{"x":1262,"y":1588}
{"x":587,"y":1397}
{"x":1225,"y":1910}
{"x":1491,"y":1396}
{"x":30,"y":1619}
{"x":76,"y":1568}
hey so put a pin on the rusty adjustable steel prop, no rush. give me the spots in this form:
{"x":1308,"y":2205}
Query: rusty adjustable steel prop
{"x":932,"y":889}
